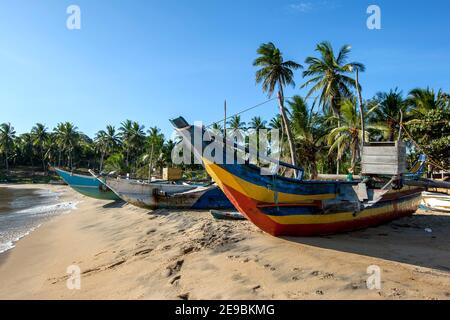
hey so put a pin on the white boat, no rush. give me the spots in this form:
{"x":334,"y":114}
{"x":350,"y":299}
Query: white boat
{"x":155,"y":195}
{"x":436,"y":201}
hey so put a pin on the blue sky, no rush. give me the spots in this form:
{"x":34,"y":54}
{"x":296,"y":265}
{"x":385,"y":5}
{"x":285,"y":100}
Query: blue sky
{"x":153,"y":60}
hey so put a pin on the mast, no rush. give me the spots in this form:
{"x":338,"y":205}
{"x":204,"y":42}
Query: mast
{"x":225,"y":119}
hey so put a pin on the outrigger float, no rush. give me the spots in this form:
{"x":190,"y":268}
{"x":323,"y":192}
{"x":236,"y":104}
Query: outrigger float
{"x":284,"y":206}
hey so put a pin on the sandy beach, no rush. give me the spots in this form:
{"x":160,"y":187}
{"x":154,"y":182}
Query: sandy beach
{"x":125,"y":252}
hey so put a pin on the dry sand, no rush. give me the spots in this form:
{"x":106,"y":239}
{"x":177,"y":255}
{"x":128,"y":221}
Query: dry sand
{"x":126,"y":252}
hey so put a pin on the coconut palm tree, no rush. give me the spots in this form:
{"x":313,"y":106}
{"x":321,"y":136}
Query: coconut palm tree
{"x":7,"y":136}
{"x":387,"y":110}
{"x":236,"y":124}
{"x":275,"y":122}
{"x":116,"y":162}
{"x":349,"y":135}
{"x":257,"y":123}
{"x":125,"y":133}
{"x":329,"y":75}
{"x":275,"y":73}
{"x":420,"y":101}
{"x":25,"y":145}
{"x":309,"y":133}
{"x":155,"y":143}
{"x":217,"y":128}
{"x":40,"y":135}
{"x":68,"y":138}
{"x":106,"y":141}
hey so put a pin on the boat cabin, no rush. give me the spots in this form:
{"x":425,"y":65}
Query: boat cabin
{"x":384,"y":158}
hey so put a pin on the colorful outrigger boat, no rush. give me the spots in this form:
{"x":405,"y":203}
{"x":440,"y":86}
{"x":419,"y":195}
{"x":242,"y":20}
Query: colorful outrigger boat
{"x":155,"y":195}
{"x":284,"y":206}
{"x":87,"y":185}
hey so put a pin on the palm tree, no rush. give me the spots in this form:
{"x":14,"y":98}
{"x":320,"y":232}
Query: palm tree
{"x":116,"y":162}
{"x":68,"y":138}
{"x":257,"y":123}
{"x":40,"y":135}
{"x":235,"y":123}
{"x":275,"y":122}
{"x":167,"y":151}
{"x":57,"y":133}
{"x":107,"y":141}
{"x":309,"y":133}
{"x":137,"y":139}
{"x":421,"y":101}
{"x":25,"y":145}
{"x":217,"y":128}
{"x":132,"y":136}
{"x":349,"y":135}
{"x":275,"y":72}
{"x":387,"y":110}
{"x":155,"y":141}
{"x":329,"y":75}
{"x":125,"y":134}
{"x":7,"y":136}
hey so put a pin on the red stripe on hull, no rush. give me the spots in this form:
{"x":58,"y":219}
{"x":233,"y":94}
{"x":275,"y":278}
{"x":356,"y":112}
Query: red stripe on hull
{"x":248,"y":207}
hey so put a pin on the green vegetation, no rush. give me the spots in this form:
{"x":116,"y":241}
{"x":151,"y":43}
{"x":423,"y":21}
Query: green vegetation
{"x":323,"y":136}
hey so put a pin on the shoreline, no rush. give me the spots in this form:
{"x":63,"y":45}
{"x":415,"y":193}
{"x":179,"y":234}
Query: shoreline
{"x":59,"y":206}
{"x":125,"y":252}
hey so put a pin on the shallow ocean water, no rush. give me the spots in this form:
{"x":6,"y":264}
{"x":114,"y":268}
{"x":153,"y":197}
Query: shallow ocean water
{"x":24,"y":210}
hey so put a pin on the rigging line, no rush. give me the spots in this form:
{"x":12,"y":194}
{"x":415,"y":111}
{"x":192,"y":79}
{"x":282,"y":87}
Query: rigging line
{"x":431,"y":161}
{"x":251,"y":108}
{"x":420,"y":148}
{"x":240,"y":112}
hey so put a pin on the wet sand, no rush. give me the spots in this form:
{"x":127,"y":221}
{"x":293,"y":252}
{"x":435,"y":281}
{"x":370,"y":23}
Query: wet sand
{"x":125,"y":252}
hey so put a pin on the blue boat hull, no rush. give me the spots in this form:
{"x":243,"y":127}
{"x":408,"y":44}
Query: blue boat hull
{"x":87,"y":185}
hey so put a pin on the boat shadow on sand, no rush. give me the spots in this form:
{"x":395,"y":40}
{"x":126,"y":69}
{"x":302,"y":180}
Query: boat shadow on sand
{"x":421,"y":240}
{"x":115,"y":204}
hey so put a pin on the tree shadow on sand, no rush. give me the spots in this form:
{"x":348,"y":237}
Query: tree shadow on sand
{"x":407,"y":240}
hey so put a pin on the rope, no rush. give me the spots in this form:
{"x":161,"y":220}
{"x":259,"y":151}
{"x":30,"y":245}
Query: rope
{"x":243,"y":111}
{"x":251,"y":108}
{"x":429,"y":159}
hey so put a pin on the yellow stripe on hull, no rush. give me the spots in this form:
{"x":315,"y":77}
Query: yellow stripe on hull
{"x":258,"y":193}
{"x":408,"y":205}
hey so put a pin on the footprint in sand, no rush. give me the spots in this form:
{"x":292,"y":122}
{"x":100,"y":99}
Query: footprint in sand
{"x":184,"y":296}
{"x":174,"y":280}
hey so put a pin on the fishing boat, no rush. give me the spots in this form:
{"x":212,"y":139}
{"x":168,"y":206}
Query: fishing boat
{"x":156,"y":195}
{"x":436,"y":201}
{"x":87,"y":185}
{"x":225,"y":215}
{"x":283,"y":206}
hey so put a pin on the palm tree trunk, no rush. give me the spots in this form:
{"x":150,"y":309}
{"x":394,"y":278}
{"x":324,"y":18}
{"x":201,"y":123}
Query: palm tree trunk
{"x":101,"y":160}
{"x":287,"y":128}
{"x":313,"y":168}
{"x":338,"y":147}
{"x":43,"y":158}
{"x":6,"y":160}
